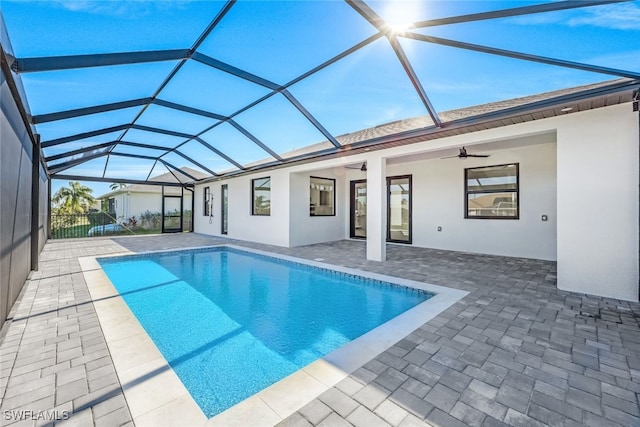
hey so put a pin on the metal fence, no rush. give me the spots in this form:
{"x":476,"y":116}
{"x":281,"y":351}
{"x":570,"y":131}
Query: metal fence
{"x":94,"y":224}
{"x":87,"y":225}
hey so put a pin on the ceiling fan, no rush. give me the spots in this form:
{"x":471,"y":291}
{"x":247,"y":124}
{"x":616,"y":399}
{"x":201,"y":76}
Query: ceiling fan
{"x":362,"y":168}
{"x":463,"y":155}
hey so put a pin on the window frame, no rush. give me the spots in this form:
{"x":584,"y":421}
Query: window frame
{"x":334,"y":197}
{"x":467,"y":192}
{"x":253,"y":197}
{"x":206,"y":206}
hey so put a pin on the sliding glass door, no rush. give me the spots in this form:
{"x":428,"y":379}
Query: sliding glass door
{"x":358,"y":222}
{"x":399,"y":209}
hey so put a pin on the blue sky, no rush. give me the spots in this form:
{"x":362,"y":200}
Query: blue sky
{"x":279,"y":40}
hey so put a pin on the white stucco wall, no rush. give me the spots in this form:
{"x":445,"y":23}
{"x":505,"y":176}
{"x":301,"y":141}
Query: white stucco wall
{"x":128,"y":205}
{"x":139,"y":203}
{"x":598,"y":203}
{"x":305,"y":229}
{"x":272,"y":229}
{"x":438,"y":200}
{"x":201,"y":222}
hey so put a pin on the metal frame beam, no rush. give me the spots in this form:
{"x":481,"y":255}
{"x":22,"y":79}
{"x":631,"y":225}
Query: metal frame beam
{"x":71,"y":163}
{"x":367,"y":13}
{"x":186,"y":109}
{"x":69,"y":114}
{"x":133,"y":156}
{"x":320,"y":67}
{"x":523,"y":56}
{"x":151,"y":170}
{"x":162,"y":131}
{"x":177,"y":179}
{"x":516,"y":11}
{"x":200,"y":165}
{"x":219,"y":153}
{"x":122,"y":180}
{"x":370,"y":15}
{"x":415,"y":81}
{"x":335,"y":59}
{"x":167,"y":104}
{"x":55,"y":63}
{"x":230,"y":69}
{"x":169,"y":165}
{"x":83,"y":135}
{"x":12,"y":85}
{"x":167,"y":151}
{"x":141,"y":145}
{"x":164,"y":162}
{"x":254,"y":139}
{"x":78,"y":151}
{"x":106,"y":165}
{"x":159,"y":158}
{"x":310,"y":117}
{"x":216,"y":20}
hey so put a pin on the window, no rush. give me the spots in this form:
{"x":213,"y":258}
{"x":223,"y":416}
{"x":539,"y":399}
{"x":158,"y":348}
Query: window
{"x":322,"y":196}
{"x":492,"y":192}
{"x":261,"y":196}
{"x":224,"y":227}
{"x":206,"y":202}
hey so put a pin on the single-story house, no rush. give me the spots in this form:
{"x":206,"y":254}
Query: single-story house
{"x":133,"y":201}
{"x":558,"y":181}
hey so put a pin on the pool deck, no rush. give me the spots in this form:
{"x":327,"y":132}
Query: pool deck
{"x":515,"y":351}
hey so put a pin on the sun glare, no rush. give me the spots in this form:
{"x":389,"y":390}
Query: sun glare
{"x":401,"y":14}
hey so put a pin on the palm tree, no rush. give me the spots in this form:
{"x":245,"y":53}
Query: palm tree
{"x":116,"y":186}
{"x":75,"y":199}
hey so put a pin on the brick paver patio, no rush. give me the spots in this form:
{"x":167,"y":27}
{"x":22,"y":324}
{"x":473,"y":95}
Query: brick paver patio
{"x":516,"y":351}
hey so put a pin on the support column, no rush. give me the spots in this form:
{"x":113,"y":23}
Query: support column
{"x":35,"y":202}
{"x":597,"y":245}
{"x":376,"y":209}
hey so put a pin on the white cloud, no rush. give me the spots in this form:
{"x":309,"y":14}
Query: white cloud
{"x":119,"y":8}
{"x":619,"y":16}
{"x":616,"y":16}
{"x":624,"y":60}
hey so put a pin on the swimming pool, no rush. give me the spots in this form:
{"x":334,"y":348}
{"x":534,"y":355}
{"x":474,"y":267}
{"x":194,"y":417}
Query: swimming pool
{"x":231,"y":322}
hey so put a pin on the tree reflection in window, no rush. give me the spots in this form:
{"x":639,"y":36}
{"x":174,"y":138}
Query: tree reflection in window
{"x":492,"y":192}
{"x":261,"y":196}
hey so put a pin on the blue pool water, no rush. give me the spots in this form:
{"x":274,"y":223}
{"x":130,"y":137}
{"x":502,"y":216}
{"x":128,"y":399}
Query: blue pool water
{"x":231,"y":323}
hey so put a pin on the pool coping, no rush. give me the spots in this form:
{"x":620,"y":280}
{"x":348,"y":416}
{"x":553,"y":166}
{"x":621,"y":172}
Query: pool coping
{"x":156,"y":396}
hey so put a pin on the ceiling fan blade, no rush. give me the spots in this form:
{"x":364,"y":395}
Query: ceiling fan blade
{"x":478,"y":155}
{"x":450,"y":157}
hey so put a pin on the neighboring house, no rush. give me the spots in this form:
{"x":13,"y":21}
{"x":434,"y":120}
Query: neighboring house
{"x":135,"y":200}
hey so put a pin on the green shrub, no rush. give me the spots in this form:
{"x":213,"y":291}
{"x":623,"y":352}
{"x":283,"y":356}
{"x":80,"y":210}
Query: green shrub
{"x":150,"y":220}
